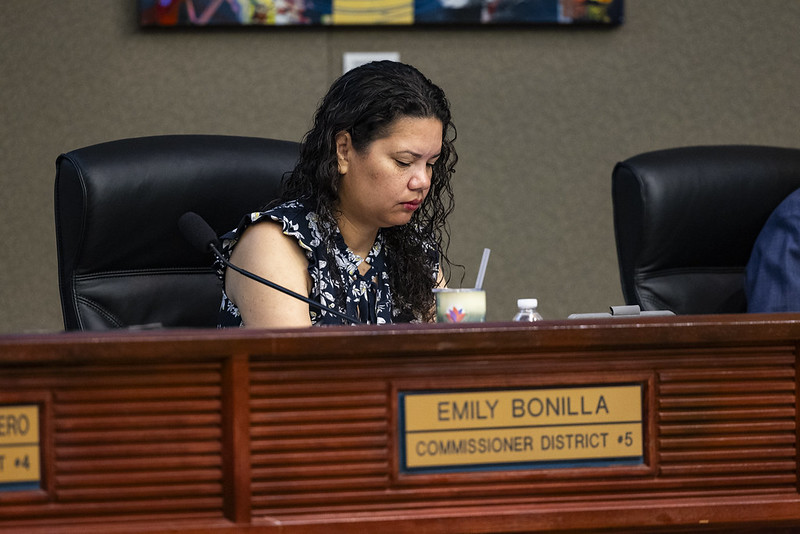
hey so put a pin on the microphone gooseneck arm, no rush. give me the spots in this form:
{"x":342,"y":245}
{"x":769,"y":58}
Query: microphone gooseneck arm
{"x":280,"y":288}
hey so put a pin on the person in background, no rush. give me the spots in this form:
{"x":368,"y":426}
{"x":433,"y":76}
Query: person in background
{"x":772,"y":275}
{"x":361,"y":222}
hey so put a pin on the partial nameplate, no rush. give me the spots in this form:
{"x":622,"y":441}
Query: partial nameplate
{"x":20,"y":450}
{"x":521,"y":428}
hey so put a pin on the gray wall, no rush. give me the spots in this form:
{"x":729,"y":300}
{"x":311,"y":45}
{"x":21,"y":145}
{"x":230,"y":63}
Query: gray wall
{"x":542,"y":114}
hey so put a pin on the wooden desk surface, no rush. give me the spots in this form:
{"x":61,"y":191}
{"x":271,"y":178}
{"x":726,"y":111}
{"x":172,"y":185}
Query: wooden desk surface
{"x":245,"y":431}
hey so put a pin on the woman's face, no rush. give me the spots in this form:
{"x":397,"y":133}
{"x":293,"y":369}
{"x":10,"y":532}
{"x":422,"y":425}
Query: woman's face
{"x":384,"y":184}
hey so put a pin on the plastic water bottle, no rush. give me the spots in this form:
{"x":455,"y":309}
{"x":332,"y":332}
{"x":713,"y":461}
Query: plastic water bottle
{"x":526,"y":310}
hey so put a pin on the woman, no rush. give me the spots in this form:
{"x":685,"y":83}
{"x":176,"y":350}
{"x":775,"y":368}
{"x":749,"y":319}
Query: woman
{"x":361,"y":222}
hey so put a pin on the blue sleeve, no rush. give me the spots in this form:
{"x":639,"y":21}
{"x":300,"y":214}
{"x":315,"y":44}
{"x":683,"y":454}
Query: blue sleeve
{"x":772,"y":276}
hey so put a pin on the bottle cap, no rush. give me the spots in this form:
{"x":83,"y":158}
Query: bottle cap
{"x":527,"y":303}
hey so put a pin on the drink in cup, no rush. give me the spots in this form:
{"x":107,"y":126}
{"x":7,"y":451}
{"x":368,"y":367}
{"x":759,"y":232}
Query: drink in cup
{"x":460,"y":305}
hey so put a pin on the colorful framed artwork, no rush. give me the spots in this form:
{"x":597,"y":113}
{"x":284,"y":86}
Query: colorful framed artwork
{"x":169,"y":13}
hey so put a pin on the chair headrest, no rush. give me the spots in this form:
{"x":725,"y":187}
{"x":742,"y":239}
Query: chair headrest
{"x":694,"y":205}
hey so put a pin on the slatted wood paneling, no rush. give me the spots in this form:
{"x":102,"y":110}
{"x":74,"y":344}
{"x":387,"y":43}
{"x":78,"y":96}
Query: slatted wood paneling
{"x":296,"y":431}
{"x":321,"y":444}
{"x":130,"y":442}
{"x":729,"y":428}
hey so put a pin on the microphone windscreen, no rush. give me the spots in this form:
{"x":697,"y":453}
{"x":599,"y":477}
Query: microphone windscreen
{"x":197,"y":231}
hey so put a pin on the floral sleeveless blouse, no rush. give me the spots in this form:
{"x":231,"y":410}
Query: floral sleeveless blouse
{"x":367,"y":297}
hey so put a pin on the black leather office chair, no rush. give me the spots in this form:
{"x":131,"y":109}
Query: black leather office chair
{"x":122,"y":261}
{"x":685,"y":220}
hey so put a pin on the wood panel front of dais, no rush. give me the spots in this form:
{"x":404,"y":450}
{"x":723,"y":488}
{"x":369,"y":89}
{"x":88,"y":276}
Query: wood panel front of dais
{"x":304,"y":430}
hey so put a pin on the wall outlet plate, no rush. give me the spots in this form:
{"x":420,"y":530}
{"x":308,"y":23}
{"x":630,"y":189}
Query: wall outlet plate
{"x":352,"y":60}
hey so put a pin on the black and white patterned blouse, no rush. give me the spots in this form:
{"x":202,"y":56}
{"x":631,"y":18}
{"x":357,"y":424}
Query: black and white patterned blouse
{"x":367,"y":297}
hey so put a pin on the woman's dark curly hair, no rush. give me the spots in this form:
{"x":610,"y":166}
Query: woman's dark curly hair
{"x":365,"y":102}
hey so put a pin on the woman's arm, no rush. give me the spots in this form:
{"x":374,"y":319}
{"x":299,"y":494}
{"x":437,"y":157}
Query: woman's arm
{"x":440,"y":281}
{"x":263,"y":249}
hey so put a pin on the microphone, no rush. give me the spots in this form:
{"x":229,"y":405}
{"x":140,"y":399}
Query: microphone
{"x":201,"y":236}
{"x":198,"y":233}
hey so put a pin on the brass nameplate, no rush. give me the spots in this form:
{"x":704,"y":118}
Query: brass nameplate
{"x":20,"y":450}
{"x":521,"y":428}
